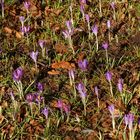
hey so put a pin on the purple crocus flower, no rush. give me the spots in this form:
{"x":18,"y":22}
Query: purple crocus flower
{"x":27,"y":5}
{"x":68,"y":33}
{"x":71,"y":74}
{"x":105,"y":45}
{"x":45,"y":111}
{"x":34,"y":55}
{"x":108,"y":76}
{"x":82,"y":90}
{"x":25,"y":29}
{"x":120,"y":85}
{"x":129,"y":119}
{"x":112,"y":5}
{"x":40,"y":87}
{"x":21,"y":18}
{"x":17,"y":74}
{"x":83,"y":64}
{"x":83,"y":1}
{"x":96,"y":91}
{"x":87,"y":18}
{"x":82,"y":8}
{"x":60,"y":104}
{"x":41,"y":43}
{"x":37,"y":98}
{"x":30,"y":98}
{"x":108,"y":24}
{"x":66,"y":108}
{"x":69,"y":25}
{"x":95,"y":29}
{"x":111,"y":109}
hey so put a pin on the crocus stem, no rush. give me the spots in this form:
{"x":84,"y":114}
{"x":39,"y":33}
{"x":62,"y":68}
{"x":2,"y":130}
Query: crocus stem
{"x":98,"y":102}
{"x":97,"y":45}
{"x":43,"y":52}
{"x":74,"y":90}
{"x":106,"y":57}
{"x":111,"y":91}
{"x":36,"y":65}
{"x":89,"y":34}
{"x":113,"y":122}
{"x":2,"y":7}
{"x":71,"y":44}
{"x":100,"y":7}
{"x":109,"y":37}
{"x":84,"y":109}
{"x":114,"y":14}
{"x":71,"y":14}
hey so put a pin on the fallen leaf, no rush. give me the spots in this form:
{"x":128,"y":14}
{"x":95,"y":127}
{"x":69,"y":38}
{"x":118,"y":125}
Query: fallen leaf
{"x":18,"y":35}
{"x":8,"y":30}
{"x":63,"y":65}
{"x":53,"y":72}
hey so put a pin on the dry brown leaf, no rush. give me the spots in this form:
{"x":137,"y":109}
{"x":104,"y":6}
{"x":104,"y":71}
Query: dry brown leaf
{"x":60,"y":48}
{"x":63,"y":65}
{"x":8,"y":30}
{"x":53,"y":72}
{"x":18,"y":35}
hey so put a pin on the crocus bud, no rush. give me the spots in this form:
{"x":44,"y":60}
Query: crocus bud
{"x":111,"y":109}
{"x":17,"y":74}
{"x":34,"y":55}
{"x":45,"y":111}
{"x":108,"y":76}
{"x":82,"y":90}
{"x":112,"y":5}
{"x":120,"y":85}
{"x":108,"y":24}
{"x":105,"y":46}
{"x":87,"y":18}
{"x":41,"y":43}
{"x":27,"y":5}
{"x":83,"y":64}
{"x":95,"y":29}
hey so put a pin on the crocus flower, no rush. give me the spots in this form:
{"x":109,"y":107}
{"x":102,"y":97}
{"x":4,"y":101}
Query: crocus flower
{"x":87,"y":18}
{"x":82,"y":90}
{"x":95,"y":29}
{"x":129,"y":119}
{"x":83,"y":1}
{"x":38,"y":98}
{"x":26,"y":5}
{"x":45,"y":111}
{"x":21,"y":18}
{"x":83,"y":64}
{"x":71,"y":74}
{"x":17,"y":74}
{"x":34,"y":55}
{"x":68,"y":33}
{"x":120,"y":85}
{"x":30,"y":98}
{"x":25,"y":29}
{"x":108,"y":24}
{"x":66,"y":108}
{"x":69,"y":25}
{"x":96,"y":90}
{"x":41,"y":43}
{"x":111,"y":109}
{"x":40,"y":87}
{"x":112,"y":5}
{"x":82,"y":9}
{"x":108,"y":76}
{"x":105,"y":45}
{"x":60,"y":104}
